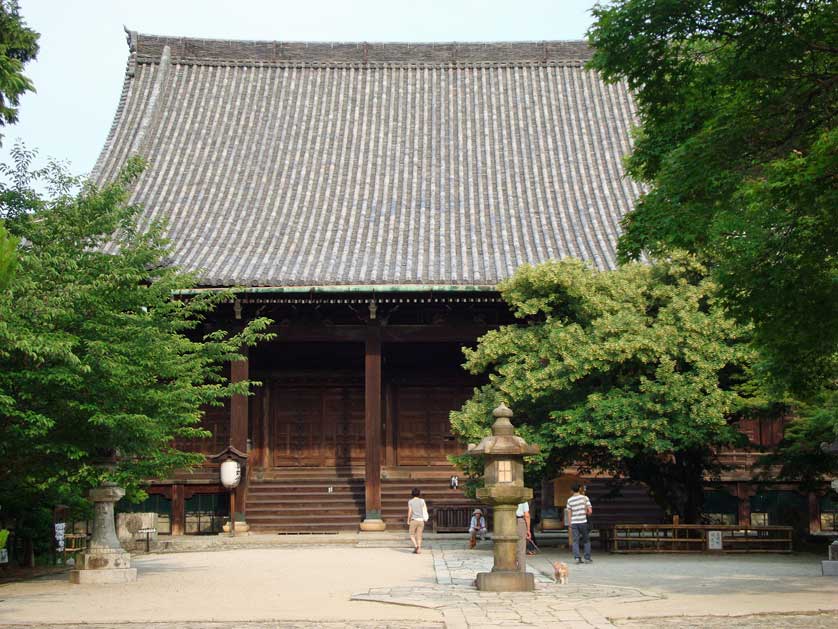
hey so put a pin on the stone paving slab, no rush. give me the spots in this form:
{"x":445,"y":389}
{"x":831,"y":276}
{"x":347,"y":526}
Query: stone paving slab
{"x":279,"y":624}
{"x":756,"y":621}
{"x":463,"y":606}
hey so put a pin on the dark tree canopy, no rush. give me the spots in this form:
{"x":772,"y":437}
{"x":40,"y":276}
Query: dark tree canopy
{"x":737,"y":102}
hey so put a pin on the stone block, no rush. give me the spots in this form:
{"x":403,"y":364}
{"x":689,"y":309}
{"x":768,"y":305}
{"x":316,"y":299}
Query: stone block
{"x":829,"y":568}
{"x":105,"y":559}
{"x":127,"y":525}
{"x":242,"y":527}
{"x":505,"y":581}
{"x":373,"y":525}
{"x":103,"y":577}
{"x":833,"y":551}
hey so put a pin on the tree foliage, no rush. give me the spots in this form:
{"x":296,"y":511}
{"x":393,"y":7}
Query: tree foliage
{"x":18,"y":45}
{"x":632,"y":371}
{"x":737,"y":143}
{"x":7,"y":257}
{"x":95,"y":354}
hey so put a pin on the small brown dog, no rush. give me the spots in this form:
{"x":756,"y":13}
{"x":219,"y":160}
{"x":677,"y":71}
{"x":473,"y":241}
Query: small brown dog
{"x":561,"y":572}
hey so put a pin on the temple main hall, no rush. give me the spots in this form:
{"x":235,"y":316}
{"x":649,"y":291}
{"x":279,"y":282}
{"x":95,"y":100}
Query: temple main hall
{"x":367,"y":197}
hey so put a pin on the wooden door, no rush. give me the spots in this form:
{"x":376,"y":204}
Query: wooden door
{"x":297,"y":421}
{"x":423,"y":430}
{"x":343,"y":426}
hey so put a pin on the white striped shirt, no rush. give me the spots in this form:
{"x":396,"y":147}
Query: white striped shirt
{"x":578,"y":505}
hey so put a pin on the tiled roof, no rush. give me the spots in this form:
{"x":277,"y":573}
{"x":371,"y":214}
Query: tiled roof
{"x":288,"y":164}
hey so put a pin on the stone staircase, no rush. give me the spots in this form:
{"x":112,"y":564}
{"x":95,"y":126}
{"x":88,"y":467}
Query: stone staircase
{"x":306,"y":500}
{"x":322,"y":500}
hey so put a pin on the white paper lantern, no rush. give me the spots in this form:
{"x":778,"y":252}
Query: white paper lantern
{"x":231,"y":473}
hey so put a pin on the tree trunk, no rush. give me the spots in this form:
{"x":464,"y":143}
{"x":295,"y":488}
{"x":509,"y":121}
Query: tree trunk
{"x":677,"y":485}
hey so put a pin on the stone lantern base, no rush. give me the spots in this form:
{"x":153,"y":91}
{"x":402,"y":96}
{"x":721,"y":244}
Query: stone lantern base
{"x":104,"y":565}
{"x":373,"y":525}
{"x":506,"y":581}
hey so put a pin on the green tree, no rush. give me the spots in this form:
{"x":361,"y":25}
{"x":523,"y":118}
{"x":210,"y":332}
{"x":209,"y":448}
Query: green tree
{"x":633,"y":371}
{"x":737,"y":144}
{"x":799,"y":456}
{"x":18,"y":45}
{"x":96,"y":356}
{"x":7,"y":257}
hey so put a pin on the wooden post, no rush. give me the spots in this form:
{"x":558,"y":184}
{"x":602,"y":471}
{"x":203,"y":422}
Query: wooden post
{"x":814,"y":513}
{"x":239,"y":372}
{"x":233,"y":513}
{"x":744,"y":492}
{"x":266,"y":425}
{"x":178,"y":510}
{"x":372,"y":429}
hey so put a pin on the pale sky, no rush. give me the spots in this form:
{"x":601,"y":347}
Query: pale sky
{"x":80,"y":69}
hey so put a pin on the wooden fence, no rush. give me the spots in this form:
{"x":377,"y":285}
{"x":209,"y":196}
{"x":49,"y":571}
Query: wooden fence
{"x":699,"y":538}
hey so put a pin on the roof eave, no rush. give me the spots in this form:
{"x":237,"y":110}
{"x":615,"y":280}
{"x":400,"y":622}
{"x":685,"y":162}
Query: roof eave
{"x":349,"y":288}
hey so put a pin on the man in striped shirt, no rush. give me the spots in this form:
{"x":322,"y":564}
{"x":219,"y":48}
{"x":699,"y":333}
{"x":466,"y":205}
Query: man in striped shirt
{"x":579,"y":508}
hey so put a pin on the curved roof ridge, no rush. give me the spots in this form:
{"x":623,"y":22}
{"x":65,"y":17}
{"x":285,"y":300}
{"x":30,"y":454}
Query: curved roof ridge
{"x":190,"y":49}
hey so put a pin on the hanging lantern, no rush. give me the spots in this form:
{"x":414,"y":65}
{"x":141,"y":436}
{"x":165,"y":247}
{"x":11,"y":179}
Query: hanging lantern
{"x":231,"y":473}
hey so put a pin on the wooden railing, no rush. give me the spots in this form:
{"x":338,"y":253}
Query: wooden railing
{"x":698,"y":538}
{"x":454,"y":518}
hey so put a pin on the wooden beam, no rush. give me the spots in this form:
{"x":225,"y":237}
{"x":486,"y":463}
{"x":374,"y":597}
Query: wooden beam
{"x":372,"y":422}
{"x":302,"y":333}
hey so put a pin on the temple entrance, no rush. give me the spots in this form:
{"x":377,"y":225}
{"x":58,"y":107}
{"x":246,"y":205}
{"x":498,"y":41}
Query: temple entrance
{"x":422,"y":428}
{"x":309,"y":411}
{"x":317,"y":425}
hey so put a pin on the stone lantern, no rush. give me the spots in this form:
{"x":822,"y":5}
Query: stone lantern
{"x":504,"y":489}
{"x":104,"y":560}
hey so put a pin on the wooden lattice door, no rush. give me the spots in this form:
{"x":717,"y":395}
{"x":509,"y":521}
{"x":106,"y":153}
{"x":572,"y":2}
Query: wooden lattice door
{"x":297,"y":422}
{"x":423,"y":433}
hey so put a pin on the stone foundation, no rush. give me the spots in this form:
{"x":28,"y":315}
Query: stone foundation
{"x":373,"y":525}
{"x":103,"y":577}
{"x":505,"y":581}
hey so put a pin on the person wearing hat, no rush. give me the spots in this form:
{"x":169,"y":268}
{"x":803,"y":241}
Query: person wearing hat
{"x":476,"y":527}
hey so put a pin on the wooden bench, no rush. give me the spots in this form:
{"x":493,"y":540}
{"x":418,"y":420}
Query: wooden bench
{"x":694,"y":538}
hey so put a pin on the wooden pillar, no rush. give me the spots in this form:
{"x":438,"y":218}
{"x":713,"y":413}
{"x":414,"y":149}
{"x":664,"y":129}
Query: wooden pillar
{"x":178,"y":514}
{"x":239,"y":372}
{"x":814,"y":513}
{"x":266,"y":450}
{"x":372,"y":429}
{"x":744,"y":493}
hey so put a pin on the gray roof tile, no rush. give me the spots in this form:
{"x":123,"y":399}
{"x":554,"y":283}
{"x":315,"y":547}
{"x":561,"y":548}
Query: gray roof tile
{"x":282,"y":164}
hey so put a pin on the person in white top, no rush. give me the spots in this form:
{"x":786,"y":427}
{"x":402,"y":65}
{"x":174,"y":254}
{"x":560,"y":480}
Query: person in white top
{"x":579,"y":508}
{"x":522,"y":519}
{"x":417,"y":515}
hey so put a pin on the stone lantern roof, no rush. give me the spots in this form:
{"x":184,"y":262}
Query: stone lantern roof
{"x":503,"y":440}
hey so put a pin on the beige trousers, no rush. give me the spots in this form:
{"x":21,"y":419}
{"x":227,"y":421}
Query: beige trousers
{"x":415,"y":528}
{"x":521,"y":548}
